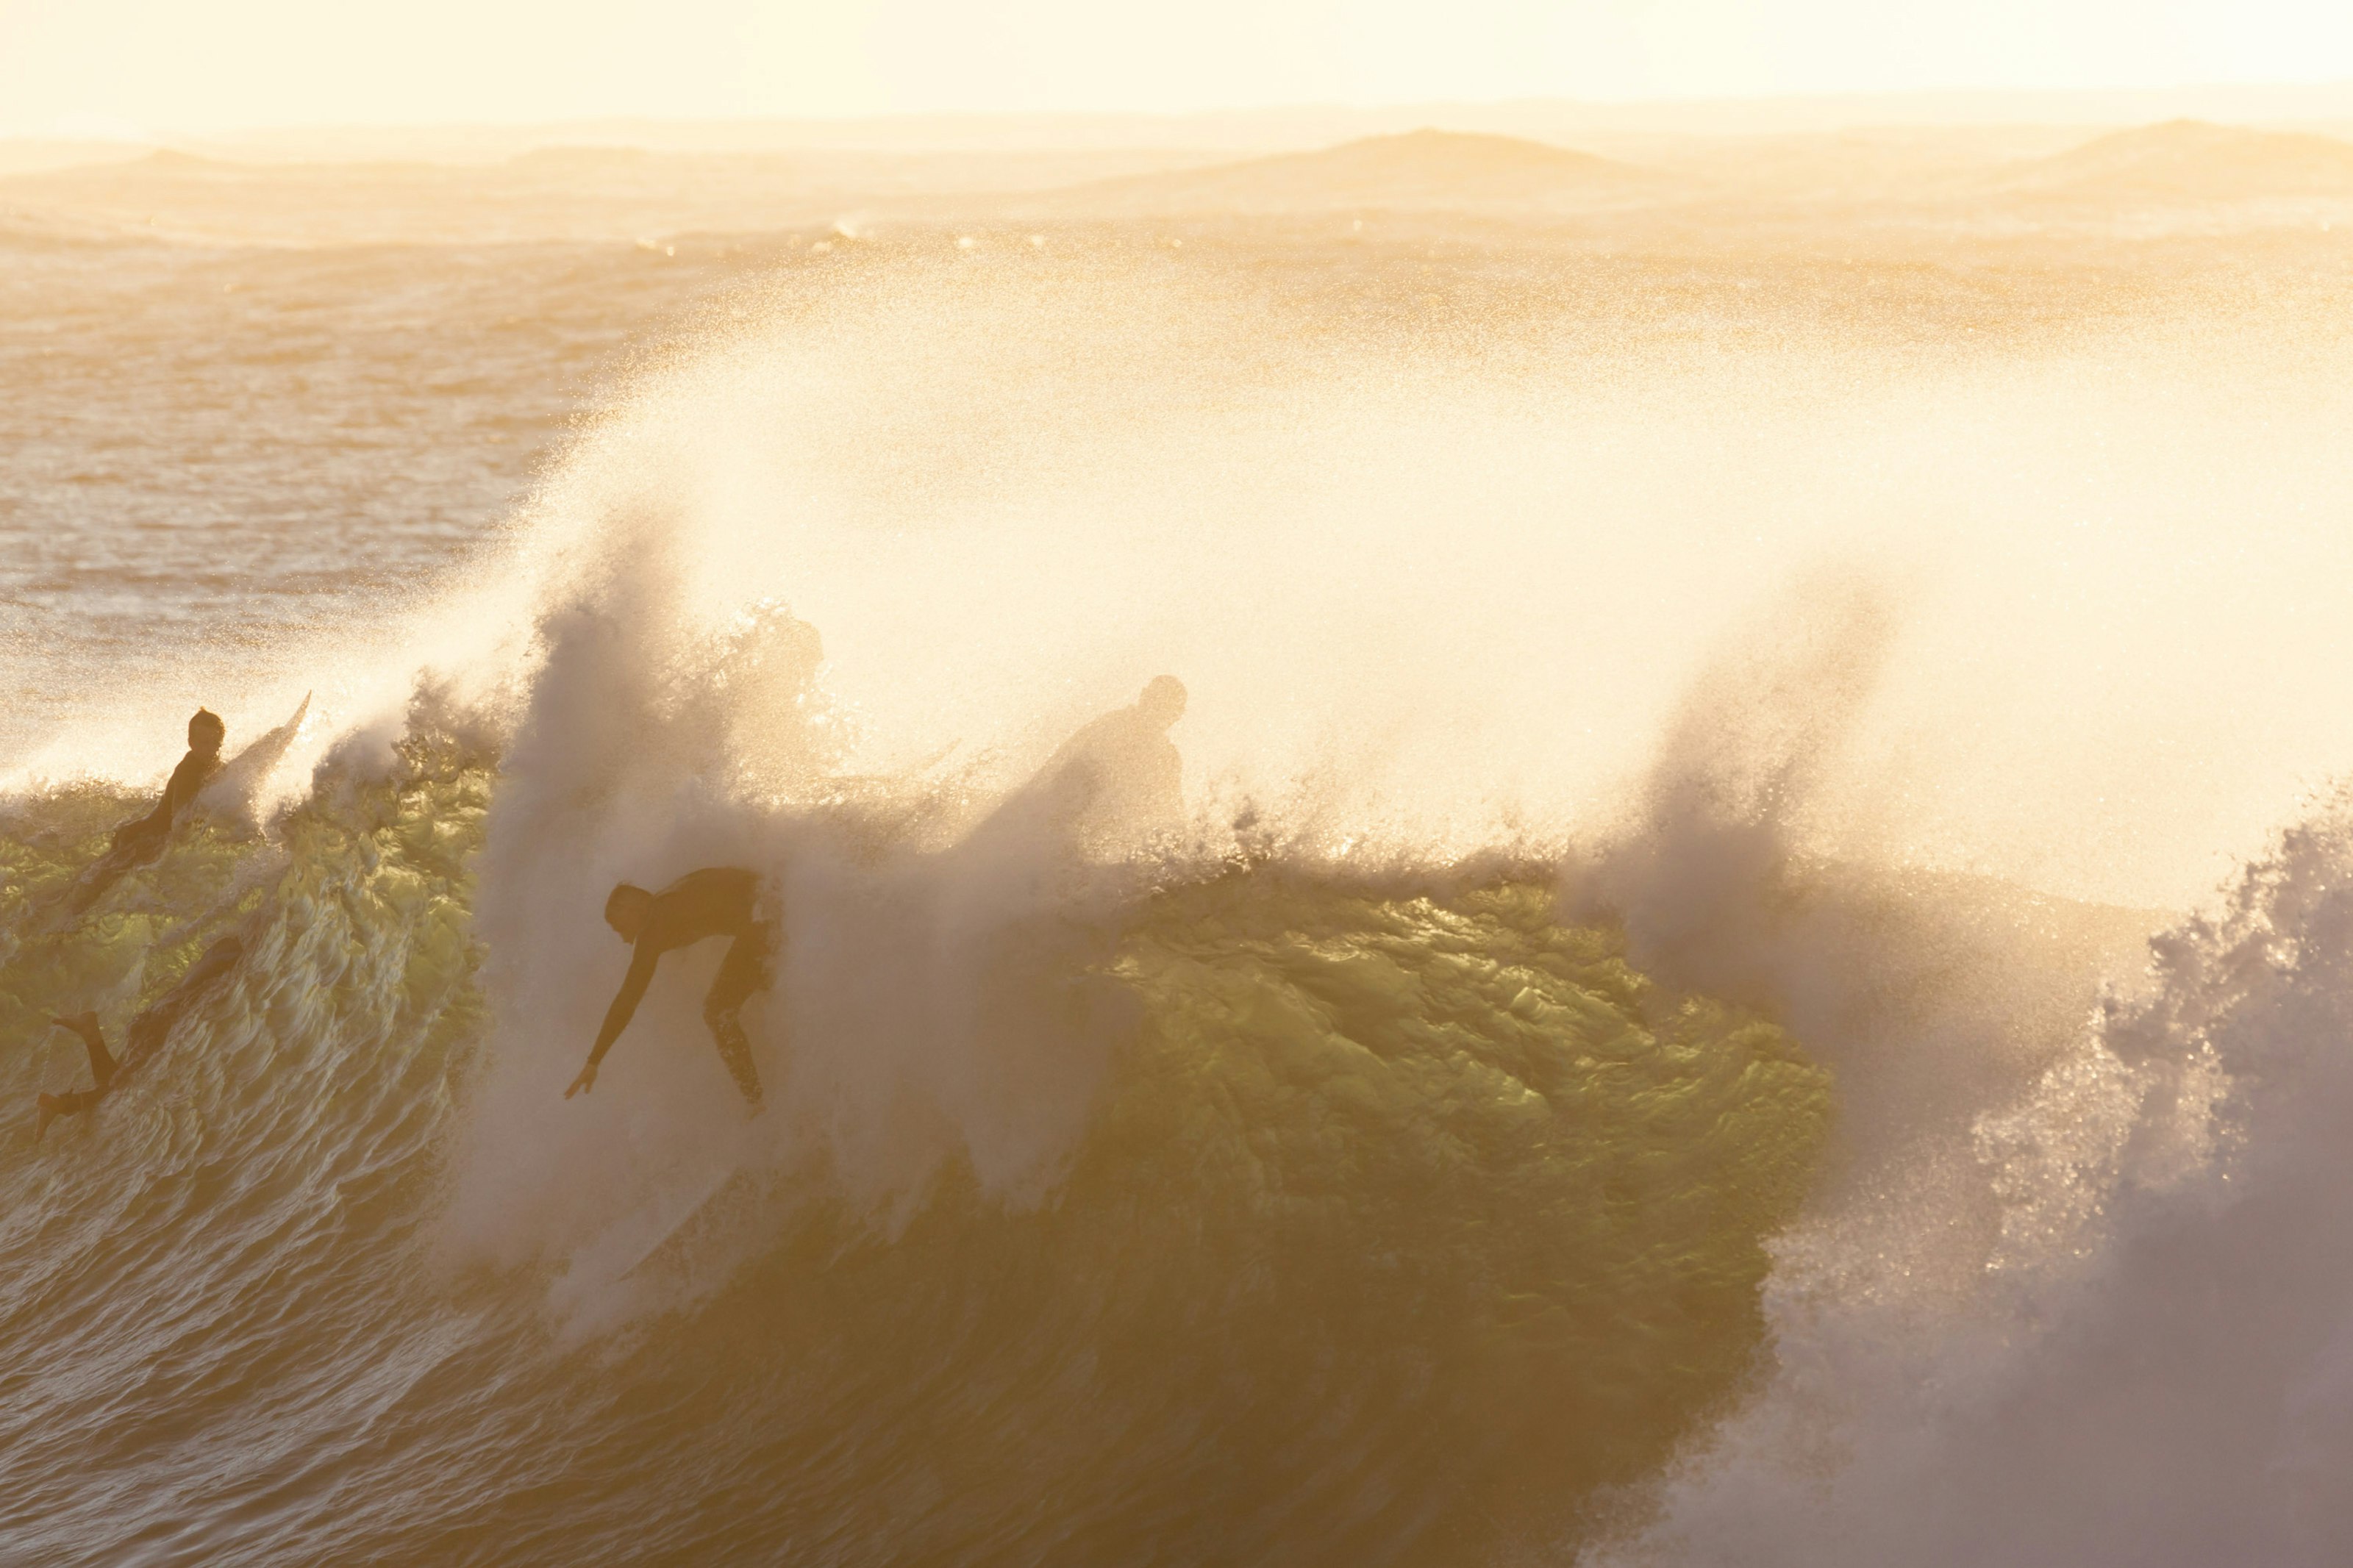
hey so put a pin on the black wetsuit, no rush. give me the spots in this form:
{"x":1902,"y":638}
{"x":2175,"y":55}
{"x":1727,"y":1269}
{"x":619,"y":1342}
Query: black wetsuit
{"x":148,"y":1031}
{"x":137,"y":842}
{"x":188,"y":781}
{"x":718,"y":901}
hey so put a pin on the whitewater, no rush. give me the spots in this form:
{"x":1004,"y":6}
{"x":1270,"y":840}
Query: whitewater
{"x":1757,"y":969}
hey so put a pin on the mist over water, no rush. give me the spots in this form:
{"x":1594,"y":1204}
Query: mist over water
{"x":2150,"y":1367}
{"x":1007,"y":490}
{"x":1645,"y":1045}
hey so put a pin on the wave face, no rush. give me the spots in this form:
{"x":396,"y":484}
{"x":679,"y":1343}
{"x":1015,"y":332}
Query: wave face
{"x":2154,"y":1366}
{"x":1535,"y":1101}
{"x":1402,"y":1225}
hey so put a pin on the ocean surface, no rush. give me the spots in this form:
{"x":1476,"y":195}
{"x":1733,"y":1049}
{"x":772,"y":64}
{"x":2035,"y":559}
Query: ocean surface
{"x":1756,"y":966}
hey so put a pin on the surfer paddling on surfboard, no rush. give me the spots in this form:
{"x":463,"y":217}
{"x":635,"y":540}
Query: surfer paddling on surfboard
{"x":140,"y":841}
{"x":200,"y":773}
{"x":718,"y":901}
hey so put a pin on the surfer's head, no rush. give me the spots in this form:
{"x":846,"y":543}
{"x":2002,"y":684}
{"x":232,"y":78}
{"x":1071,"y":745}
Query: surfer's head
{"x":1163,"y":702}
{"x":626,"y":909}
{"x":205,"y":732}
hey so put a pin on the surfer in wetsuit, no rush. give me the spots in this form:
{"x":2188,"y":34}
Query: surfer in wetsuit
{"x":1123,"y":764}
{"x":718,"y":901}
{"x":147,"y":1032}
{"x":137,"y":841}
{"x":1119,"y":780}
{"x":146,"y":835}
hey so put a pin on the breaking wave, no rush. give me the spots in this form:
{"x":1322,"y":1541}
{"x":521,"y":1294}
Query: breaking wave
{"x":1394,"y":1219}
{"x":2152,"y":1365}
{"x":1394,"y":1157}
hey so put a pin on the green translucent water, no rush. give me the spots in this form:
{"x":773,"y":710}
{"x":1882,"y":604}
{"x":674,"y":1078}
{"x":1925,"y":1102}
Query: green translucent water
{"x":1404,"y":1228}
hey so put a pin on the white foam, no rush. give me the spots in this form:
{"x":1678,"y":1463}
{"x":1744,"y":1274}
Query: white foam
{"x":2150,"y":1366}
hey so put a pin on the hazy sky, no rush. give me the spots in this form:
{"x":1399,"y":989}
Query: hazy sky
{"x":213,"y":64}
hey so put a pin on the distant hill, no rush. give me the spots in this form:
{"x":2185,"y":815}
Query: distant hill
{"x":2190,"y":160}
{"x":1418,"y":170}
{"x":567,"y":158}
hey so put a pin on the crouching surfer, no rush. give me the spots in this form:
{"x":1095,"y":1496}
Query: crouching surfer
{"x":147,"y":1032}
{"x":718,"y":901}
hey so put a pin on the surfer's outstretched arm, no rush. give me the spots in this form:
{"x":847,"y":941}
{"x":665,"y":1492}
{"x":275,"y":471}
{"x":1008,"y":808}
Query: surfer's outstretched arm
{"x":616,"y":1017}
{"x":141,"y":832}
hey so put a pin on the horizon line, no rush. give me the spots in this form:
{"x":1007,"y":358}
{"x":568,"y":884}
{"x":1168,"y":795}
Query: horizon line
{"x":103,"y":129}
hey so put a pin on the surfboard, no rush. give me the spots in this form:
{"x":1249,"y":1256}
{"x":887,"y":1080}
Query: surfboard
{"x":683,"y":1220}
{"x":231,"y":790}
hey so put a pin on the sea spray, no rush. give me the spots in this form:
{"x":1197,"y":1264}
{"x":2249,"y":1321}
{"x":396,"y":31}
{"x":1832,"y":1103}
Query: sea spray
{"x":2151,"y":1368}
{"x":1376,"y":1186}
{"x":1072,"y":1229}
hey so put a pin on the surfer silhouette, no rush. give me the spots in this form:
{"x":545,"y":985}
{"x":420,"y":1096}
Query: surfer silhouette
{"x":141,"y":840}
{"x":1119,"y":778}
{"x":226,"y":787}
{"x":147,"y":1032}
{"x":146,"y":835}
{"x":718,"y":901}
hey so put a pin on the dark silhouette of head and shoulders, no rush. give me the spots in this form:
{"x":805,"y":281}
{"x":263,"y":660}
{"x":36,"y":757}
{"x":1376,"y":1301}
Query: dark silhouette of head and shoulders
{"x":1121,"y":778}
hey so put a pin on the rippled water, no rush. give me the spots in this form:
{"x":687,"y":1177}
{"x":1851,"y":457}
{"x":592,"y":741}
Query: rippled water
{"x":1369,"y":1177}
{"x":1567,"y":1087}
{"x":210,"y":449}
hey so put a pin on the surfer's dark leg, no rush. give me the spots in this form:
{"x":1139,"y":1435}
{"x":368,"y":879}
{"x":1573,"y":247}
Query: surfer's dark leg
{"x":55,"y":1105}
{"x":101,"y":1060}
{"x":736,"y":1050}
{"x":743,"y":971}
{"x":101,"y":1071}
